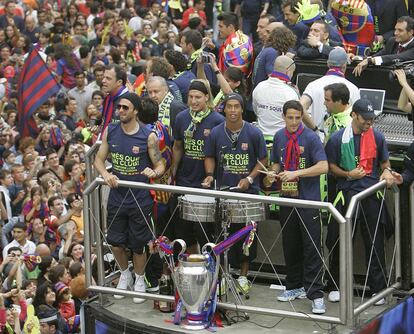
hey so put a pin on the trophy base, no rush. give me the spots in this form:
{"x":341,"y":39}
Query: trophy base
{"x":193,"y":325}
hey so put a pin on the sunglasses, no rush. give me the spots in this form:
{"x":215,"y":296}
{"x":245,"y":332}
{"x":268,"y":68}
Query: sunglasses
{"x":290,"y":65}
{"x":122,"y":106}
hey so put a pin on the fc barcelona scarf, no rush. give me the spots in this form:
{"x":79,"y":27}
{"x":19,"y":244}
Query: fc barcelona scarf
{"x":108,"y":108}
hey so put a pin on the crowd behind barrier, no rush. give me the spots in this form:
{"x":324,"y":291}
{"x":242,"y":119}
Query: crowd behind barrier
{"x":196,"y":94}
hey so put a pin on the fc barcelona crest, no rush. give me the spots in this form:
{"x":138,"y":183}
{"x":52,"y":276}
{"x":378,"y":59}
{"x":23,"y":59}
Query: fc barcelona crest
{"x":244,"y":146}
{"x":206,"y":132}
{"x":135,"y":149}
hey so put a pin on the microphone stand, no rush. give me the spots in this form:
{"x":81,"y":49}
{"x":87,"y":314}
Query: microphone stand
{"x":222,"y":220}
{"x":218,"y":221}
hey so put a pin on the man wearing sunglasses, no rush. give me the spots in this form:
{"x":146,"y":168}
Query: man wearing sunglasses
{"x":135,"y":156}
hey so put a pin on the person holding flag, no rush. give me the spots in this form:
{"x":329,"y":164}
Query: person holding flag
{"x":237,"y":49}
{"x":36,"y":84}
{"x":114,"y":85}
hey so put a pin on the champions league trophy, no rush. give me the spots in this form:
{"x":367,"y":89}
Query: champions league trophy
{"x":195,"y":278}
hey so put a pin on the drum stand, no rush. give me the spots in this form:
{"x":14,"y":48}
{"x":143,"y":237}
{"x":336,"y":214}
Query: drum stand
{"x":230,"y":283}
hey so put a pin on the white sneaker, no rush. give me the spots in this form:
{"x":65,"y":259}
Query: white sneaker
{"x":318,"y":306}
{"x":243,"y":285}
{"x":380,"y":302}
{"x":139,"y":286}
{"x":289,"y":295}
{"x":125,"y":282}
{"x":334,"y":296}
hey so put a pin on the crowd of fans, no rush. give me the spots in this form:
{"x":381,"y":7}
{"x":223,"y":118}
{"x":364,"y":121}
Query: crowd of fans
{"x":160,"y":49}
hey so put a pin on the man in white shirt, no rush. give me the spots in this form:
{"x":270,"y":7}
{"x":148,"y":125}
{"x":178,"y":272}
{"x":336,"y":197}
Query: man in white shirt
{"x":270,"y":95}
{"x":19,"y":240}
{"x":82,"y":94}
{"x":6,"y":180}
{"x":313,"y":98}
{"x":98,"y":73}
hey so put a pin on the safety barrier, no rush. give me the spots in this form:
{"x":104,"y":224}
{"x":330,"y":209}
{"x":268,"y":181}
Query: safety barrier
{"x":352,"y":313}
{"x":93,"y":217}
{"x":296,"y":203}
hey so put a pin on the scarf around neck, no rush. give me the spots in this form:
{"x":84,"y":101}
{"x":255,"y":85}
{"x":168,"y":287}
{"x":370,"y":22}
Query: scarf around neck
{"x":336,"y":71}
{"x":108,"y":106}
{"x":197,"y":118}
{"x":292,"y":151}
{"x":279,"y":75}
{"x":164,"y":109}
{"x":335,"y":122}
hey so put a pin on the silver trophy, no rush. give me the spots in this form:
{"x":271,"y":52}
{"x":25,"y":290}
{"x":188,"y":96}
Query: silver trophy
{"x":195,"y":278}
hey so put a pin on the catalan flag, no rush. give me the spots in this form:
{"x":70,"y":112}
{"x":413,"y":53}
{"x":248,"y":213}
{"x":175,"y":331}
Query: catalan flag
{"x":36,"y":84}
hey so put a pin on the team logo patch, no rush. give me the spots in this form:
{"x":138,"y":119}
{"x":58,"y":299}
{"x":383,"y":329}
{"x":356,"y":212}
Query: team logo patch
{"x":244,"y":146}
{"x":135,"y":149}
{"x":206,"y":132}
{"x":301,"y":149}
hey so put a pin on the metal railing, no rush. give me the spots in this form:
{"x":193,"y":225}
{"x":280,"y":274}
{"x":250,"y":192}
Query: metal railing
{"x":355,"y":201}
{"x":288,"y":202}
{"x":347,"y":313}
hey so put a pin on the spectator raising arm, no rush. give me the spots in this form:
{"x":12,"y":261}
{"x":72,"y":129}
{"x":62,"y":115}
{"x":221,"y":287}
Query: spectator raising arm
{"x":406,"y":100}
{"x":224,"y":85}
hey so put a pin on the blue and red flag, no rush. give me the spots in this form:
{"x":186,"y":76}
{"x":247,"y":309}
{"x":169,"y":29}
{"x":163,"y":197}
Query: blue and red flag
{"x":36,"y":85}
{"x":236,"y":51}
{"x":356,"y":24}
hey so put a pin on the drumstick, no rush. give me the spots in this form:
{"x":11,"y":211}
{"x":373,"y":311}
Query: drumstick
{"x":263,"y":166}
{"x":265,"y":172}
{"x":271,"y":173}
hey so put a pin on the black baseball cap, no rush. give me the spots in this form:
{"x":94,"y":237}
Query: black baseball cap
{"x":364,"y":108}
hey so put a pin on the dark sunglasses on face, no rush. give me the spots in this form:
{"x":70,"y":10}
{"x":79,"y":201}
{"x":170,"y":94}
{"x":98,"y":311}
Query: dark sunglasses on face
{"x":122,"y":106}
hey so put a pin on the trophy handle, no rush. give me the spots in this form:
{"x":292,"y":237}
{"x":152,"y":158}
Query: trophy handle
{"x":183,"y":245}
{"x":210,"y":245}
{"x":208,"y":248}
{"x":181,"y":253}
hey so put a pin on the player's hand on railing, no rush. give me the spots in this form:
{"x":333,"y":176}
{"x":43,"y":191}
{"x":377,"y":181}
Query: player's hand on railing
{"x":111,"y":180}
{"x":150,"y":173}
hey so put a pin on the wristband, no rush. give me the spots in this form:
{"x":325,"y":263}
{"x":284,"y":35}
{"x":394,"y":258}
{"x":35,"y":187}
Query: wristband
{"x":315,"y":128}
{"x":389,"y":169}
{"x":217,"y":72}
{"x":209,"y":174}
{"x":156,"y":173}
{"x":250,"y":179}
